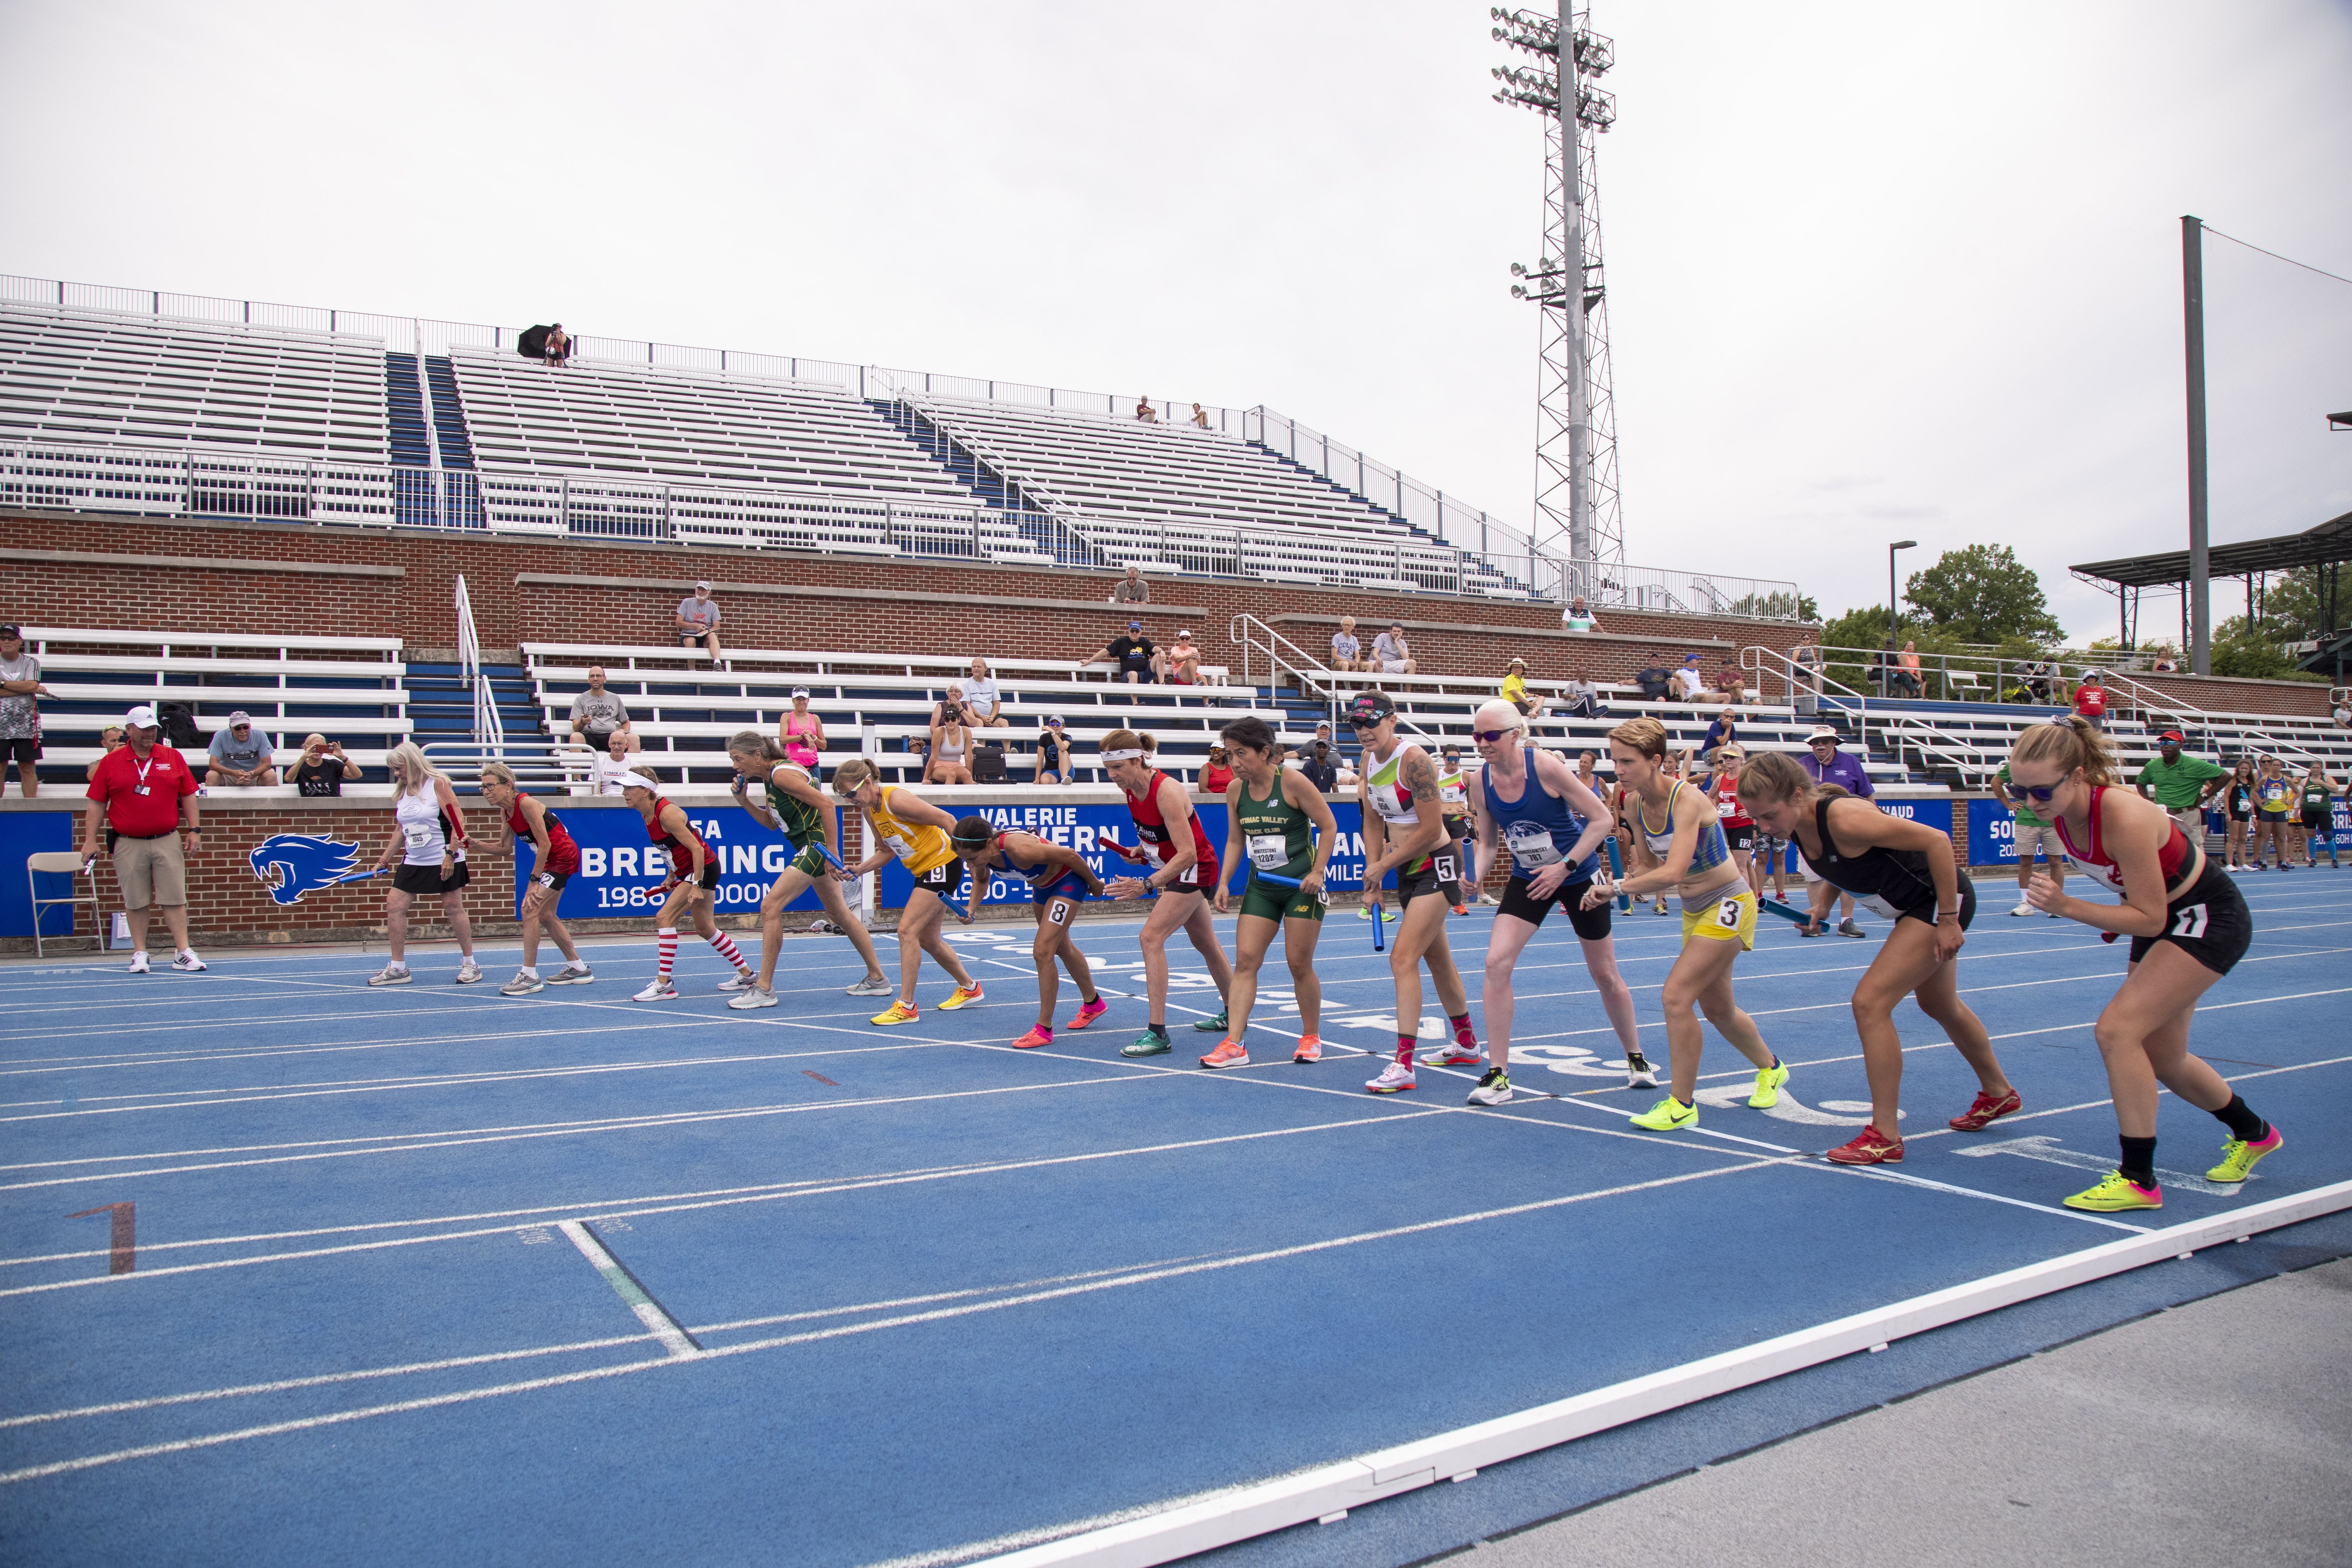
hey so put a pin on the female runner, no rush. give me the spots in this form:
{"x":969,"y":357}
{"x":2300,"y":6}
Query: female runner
{"x":2319,"y":816}
{"x":2273,"y":805}
{"x":428,"y":833}
{"x":915,"y":832}
{"x":1552,"y":826}
{"x":1404,"y":831}
{"x":1905,"y":871}
{"x":792,"y":804}
{"x":2238,"y":804}
{"x":1059,"y":881}
{"x":1723,"y":789}
{"x":555,"y":858}
{"x":1453,"y":801}
{"x":1170,"y":833}
{"x":693,"y":876}
{"x":1277,"y":818}
{"x":1680,"y":845}
{"x":2188,"y":926}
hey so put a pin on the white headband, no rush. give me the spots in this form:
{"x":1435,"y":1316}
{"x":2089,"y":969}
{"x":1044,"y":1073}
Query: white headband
{"x":639,"y":780}
{"x":1127,"y":754}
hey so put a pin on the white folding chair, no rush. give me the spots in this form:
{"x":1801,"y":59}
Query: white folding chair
{"x":68,"y":862}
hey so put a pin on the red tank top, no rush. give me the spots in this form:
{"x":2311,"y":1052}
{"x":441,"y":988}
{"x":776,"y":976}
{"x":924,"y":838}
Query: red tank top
{"x":562,"y":855}
{"x":2093,"y":862}
{"x":681,"y":851}
{"x":1152,"y":830}
{"x":1728,"y":807}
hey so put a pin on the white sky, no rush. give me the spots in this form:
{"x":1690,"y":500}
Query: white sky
{"x":1876,"y":271}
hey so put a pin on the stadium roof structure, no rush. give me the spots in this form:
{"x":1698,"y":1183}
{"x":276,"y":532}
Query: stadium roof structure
{"x":2321,"y":545}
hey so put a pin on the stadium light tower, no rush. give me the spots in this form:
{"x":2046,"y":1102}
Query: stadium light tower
{"x":1576,"y":501}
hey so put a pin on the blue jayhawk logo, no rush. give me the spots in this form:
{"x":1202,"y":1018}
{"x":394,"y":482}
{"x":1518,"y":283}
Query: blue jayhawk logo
{"x":292,"y":864}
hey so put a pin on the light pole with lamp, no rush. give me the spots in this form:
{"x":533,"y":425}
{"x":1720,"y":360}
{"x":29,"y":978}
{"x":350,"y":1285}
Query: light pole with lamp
{"x":1892,"y":619}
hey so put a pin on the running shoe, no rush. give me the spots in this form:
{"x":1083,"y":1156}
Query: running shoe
{"x":2239,"y":1157}
{"x":742,"y":980}
{"x":523,"y":984}
{"x":2025,"y":907}
{"x":1230,"y":1053}
{"x":1394,"y":1078}
{"x":657,"y":991}
{"x":1388,"y":915}
{"x":1987,"y":1110}
{"x":1661,"y":906}
{"x":1088,"y":1013}
{"x":965,"y":995}
{"x":897,"y":1013}
{"x":872,"y":985}
{"x":1309,"y":1048}
{"x":391,"y":974}
{"x":1150,"y":1043}
{"x":1461,"y":909}
{"x":468,"y":973}
{"x":1810,"y":927}
{"x":188,"y":963}
{"x":1871,"y":1148}
{"x":1458,"y":1055}
{"x":1768,"y":1087}
{"x":1639,"y":1073}
{"x":2118,"y":1191}
{"x":1494,"y":1088}
{"x":1848,"y":928}
{"x":139,"y":962}
{"x":1216,"y":1025}
{"x":1669,"y":1115}
{"x":758,"y":997}
{"x":572,"y":974}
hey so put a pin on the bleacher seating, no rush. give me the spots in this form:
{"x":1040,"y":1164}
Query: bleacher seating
{"x":1967,"y":742}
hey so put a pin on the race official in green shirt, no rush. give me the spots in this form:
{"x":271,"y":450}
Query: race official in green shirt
{"x":2182,"y":785}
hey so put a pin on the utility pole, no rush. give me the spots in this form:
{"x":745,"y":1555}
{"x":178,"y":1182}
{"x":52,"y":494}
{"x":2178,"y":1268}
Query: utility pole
{"x":2192,"y":307}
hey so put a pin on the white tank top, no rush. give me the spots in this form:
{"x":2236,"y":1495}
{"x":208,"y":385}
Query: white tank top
{"x":421,"y":824}
{"x":1380,"y":789}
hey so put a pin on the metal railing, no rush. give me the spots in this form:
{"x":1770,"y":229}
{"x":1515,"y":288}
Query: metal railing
{"x":1261,"y":645}
{"x":489,"y":730}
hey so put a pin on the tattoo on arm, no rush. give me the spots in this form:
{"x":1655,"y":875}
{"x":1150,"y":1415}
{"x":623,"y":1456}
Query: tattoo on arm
{"x":1419,"y":776}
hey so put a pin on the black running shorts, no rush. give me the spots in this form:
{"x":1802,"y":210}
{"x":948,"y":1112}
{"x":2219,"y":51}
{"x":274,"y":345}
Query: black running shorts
{"x":1591,"y":924}
{"x":2209,"y":922}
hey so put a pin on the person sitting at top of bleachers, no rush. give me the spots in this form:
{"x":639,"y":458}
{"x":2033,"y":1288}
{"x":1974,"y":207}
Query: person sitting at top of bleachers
{"x":20,"y":721}
{"x":1179,"y":664}
{"x":983,"y":704}
{"x":1692,"y":687}
{"x":1199,"y":416}
{"x":1132,"y":589}
{"x":698,"y":621}
{"x":608,"y":767}
{"x":596,"y":713}
{"x":1131,"y":652}
{"x":1390,"y":654}
{"x":1143,"y":412}
{"x":1578,"y":616}
{"x":559,"y":345}
{"x":241,"y":754}
{"x":1347,"y":652}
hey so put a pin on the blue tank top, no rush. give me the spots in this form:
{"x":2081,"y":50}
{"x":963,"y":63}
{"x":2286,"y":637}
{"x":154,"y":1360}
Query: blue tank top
{"x":1538,"y":829}
{"x":1711,"y":852}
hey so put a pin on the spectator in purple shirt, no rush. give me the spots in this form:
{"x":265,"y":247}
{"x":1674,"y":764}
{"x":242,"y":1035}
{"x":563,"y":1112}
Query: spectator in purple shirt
{"x":1827,"y":764}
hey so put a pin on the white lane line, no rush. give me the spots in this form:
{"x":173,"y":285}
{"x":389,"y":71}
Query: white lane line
{"x":625,"y":1285}
{"x":779,"y":1342}
{"x":1880,"y":1174}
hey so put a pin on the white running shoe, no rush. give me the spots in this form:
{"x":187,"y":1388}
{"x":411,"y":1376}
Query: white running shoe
{"x":743,"y":980}
{"x":1395,"y":1076}
{"x":188,"y":963}
{"x":2025,"y":907}
{"x":391,"y":974}
{"x":873,"y":985}
{"x":469,"y":974}
{"x":572,"y":974}
{"x":522,"y":985}
{"x":751,"y":996}
{"x":1639,"y":1074}
{"x":657,"y":991}
{"x":2052,"y":913}
{"x":139,"y":962}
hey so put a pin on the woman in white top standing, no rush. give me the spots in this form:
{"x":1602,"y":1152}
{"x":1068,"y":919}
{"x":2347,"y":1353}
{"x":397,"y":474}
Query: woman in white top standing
{"x":428,"y":835}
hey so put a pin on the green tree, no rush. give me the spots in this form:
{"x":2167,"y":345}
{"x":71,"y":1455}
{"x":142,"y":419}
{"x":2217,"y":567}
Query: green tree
{"x":1981,"y":593}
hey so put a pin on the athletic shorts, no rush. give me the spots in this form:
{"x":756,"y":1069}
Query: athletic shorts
{"x":1270,"y":902}
{"x":2237,"y":815}
{"x":2278,"y":818}
{"x":942,"y":878}
{"x":152,"y":871}
{"x":1440,"y":874}
{"x":808,"y":862}
{"x":427,"y":881}
{"x":1592,"y":924}
{"x":553,"y":881}
{"x":2209,"y":922}
{"x":2317,"y":822}
{"x":1742,"y":838}
{"x":23,"y":750}
{"x":1926,"y":913}
{"x":1731,"y":917}
{"x":1068,"y":885}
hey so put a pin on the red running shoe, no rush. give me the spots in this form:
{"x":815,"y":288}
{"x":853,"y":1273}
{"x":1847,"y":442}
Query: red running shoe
{"x":1088,"y":1013}
{"x":1987,"y":1108}
{"x":1872,"y":1148}
{"x":1039,"y":1035}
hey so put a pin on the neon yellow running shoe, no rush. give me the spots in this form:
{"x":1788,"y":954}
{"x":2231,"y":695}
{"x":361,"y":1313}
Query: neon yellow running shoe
{"x":1767,"y":1086}
{"x":2239,"y":1157}
{"x":900,"y":1013}
{"x":1669,"y":1115}
{"x":2118,"y":1192}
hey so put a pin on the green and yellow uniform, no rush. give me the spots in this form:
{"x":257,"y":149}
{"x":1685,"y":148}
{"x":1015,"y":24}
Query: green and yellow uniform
{"x":1279,"y":837}
{"x":802,"y":825}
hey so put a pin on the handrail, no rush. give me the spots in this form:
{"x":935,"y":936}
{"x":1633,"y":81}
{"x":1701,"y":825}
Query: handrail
{"x":469,"y":644}
{"x":1311,"y":676}
{"x":1800,"y":679}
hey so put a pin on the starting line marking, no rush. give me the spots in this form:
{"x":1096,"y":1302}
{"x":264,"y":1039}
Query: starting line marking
{"x":660,"y":1324}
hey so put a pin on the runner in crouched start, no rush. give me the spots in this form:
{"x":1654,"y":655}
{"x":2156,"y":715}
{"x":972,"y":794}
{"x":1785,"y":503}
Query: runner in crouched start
{"x":1905,"y":871}
{"x":792,"y":804}
{"x":693,"y":876}
{"x":1168,"y":830}
{"x":1277,"y":818}
{"x":2188,"y":926}
{"x":1059,"y":881}
{"x":1531,"y":806}
{"x":915,"y":832}
{"x":555,"y":860}
{"x":1400,"y":789}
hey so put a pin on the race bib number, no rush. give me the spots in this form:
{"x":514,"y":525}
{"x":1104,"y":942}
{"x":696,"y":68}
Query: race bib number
{"x":1727,"y":914}
{"x":2190,"y":923}
{"x":1188,"y":877}
{"x":1269,"y":851}
{"x":1876,"y":903}
{"x":1448,"y":868}
{"x":1530,"y":846}
{"x":898,"y":846}
{"x":545,"y":878}
{"x":1058,"y":911}
{"x":418,"y":838}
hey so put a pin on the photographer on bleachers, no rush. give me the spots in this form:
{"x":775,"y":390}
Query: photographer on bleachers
{"x":1132,"y":652}
{"x":1132,"y":589}
{"x":698,"y":621}
{"x":597,"y":714}
{"x":20,"y":718}
{"x":558,"y":347}
{"x":240,"y":755}
{"x":322,"y":769}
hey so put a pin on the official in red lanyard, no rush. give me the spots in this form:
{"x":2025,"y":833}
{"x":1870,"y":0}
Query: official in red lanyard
{"x":146,"y":794}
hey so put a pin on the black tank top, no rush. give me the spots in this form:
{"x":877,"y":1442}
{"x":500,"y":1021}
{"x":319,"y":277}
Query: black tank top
{"x":1894,"y":882}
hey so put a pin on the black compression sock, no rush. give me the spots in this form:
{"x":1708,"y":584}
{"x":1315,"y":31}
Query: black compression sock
{"x":2139,"y":1160}
{"x":2242,"y":1123}
{"x":1156,"y":1027}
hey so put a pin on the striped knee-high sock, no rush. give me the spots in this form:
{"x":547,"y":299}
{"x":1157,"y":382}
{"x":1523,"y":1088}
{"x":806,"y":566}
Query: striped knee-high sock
{"x":727,"y":948}
{"x":667,"y":937}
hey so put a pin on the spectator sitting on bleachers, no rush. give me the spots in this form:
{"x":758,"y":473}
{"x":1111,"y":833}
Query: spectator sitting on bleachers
{"x":1577,"y":618}
{"x":1906,"y":670}
{"x":1318,"y":766}
{"x":1143,"y":412}
{"x":609,"y":768}
{"x":559,"y":345}
{"x":1584,"y":700}
{"x":1179,"y":665}
{"x":1654,"y":679}
{"x":1807,"y":656}
{"x":241,"y":754}
{"x":1515,"y":691}
{"x":951,"y":747}
{"x":1390,"y":656}
{"x":1730,"y":680}
{"x":1349,"y":777}
{"x":1347,"y":652}
{"x":20,"y":720}
{"x":698,"y":621}
{"x":1723,"y":731}
{"x":107,"y":739}
{"x":1132,"y":589}
{"x":1131,"y":651}
{"x":802,"y":735}
{"x":1052,"y":752}
{"x":1692,"y":687}
{"x":1199,"y":416}
{"x":947,"y":708}
{"x":2343,"y":716}
{"x":983,"y":704}
{"x":597,"y":714}
{"x":2091,"y":700}
{"x":322,"y":769}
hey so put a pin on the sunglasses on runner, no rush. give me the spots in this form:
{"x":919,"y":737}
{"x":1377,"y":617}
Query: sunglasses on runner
{"x":2038,"y":793}
{"x":1490,"y":737}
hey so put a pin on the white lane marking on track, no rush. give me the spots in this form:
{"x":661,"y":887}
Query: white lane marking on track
{"x":2049,"y":1150}
{"x":1876,"y":1173}
{"x":658,"y":1323}
{"x":779,"y":1342}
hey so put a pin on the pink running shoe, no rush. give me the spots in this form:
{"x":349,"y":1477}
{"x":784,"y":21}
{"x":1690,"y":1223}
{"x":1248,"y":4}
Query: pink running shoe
{"x":1040,"y":1035}
{"x":1088,"y":1013}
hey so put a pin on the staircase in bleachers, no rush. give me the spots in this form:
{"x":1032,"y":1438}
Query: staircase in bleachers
{"x":404,"y":407}
{"x":448,"y":413}
{"x":441,"y":702}
{"x":1023,"y":510}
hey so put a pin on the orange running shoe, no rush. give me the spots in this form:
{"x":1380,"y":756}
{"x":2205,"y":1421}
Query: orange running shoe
{"x":962,"y":998}
{"x":1088,"y":1013}
{"x":1310,"y":1049}
{"x":1230,"y":1053}
{"x":1040,"y":1035}
{"x":1872,"y":1148}
{"x":1987,"y":1108}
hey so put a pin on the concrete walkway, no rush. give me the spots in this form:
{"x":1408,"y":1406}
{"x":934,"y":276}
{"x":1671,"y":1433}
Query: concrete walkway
{"x":2214,"y":1432}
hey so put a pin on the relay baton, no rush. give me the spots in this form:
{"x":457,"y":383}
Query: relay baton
{"x":1379,"y":936}
{"x":1617,"y":873}
{"x":356,"y":877}
{"x":1280,"y":881}
{"x":1786,"y":911}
